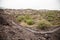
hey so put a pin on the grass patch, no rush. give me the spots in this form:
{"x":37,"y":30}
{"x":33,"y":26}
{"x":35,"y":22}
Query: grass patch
{"x":41,"y":26}
{"x":41,"y":20}
{"x":20,"y":18}
{"x":26,"y":18}
{"x":50,"y":18}
{"x":29,"y":21}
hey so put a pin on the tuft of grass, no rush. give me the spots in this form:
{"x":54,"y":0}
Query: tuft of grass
{"x":29,"y":21}
{"x":20,"y":18}
{"x":50,"y":18}
{"x":42,"y":26}
{"x":27,"y":16}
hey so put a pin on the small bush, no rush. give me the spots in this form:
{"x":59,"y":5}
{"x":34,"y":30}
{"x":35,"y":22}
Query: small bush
{"x":27,"y":17}
{"x":29,"y":21}
{"x":50,"y":18}
{"x":20,"y":18}
{"x":41,"y":26}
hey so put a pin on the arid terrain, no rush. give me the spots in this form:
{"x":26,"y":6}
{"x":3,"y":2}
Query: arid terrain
{"x":36,"y":19}
{"x":29,"y":24}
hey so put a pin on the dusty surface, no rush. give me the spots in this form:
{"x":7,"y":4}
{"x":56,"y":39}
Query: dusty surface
{"x":9,"y":30}
{"x":48,"y":17}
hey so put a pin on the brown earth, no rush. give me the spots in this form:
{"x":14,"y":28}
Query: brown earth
{"x":9,"y":30}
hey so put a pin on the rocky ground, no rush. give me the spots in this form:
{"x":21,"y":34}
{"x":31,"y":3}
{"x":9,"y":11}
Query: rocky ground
{"x":9,"y":30}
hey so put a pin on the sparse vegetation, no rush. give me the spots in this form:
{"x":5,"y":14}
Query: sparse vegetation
{"x":42,"y":20}
{"x":20,"y":18}
{"x":50,"y":18}
{"x":26,"y":18}
{"x":41,"y":26}
{"x":29,"y":21}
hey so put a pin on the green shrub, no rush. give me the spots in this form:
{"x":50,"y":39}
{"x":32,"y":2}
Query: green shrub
{"x":41,"y":26}
{"x":27,"y":17}
{"x":20,"y":18}
{"x":50,"y":18}
{"x":29,"y":21}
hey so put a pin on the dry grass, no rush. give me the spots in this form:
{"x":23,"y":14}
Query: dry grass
{"x":48,"y":19}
